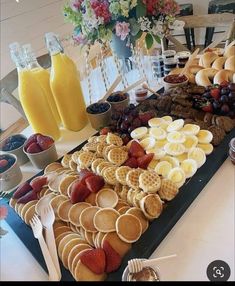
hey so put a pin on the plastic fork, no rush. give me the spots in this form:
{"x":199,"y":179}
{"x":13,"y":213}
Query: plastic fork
{"x":37,"y":231}
{"x":47,"y":219}
{"x":3,"y":195}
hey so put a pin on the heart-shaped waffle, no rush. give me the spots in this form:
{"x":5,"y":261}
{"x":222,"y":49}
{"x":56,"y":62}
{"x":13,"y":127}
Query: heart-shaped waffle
{"x":117,"y":156}
{"x":132,"y":178}
{"x":101,"y":166}
{"x":168,"y":190}
{"x":149,"y":181}
{"x":121,"y":174}
{"x":114,"y":139}
{"x":109,"y":175}
{"x":106,"y":150}
{"x":85,"y":159}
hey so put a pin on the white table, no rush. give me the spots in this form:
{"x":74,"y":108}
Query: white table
{"x":203,"y":234}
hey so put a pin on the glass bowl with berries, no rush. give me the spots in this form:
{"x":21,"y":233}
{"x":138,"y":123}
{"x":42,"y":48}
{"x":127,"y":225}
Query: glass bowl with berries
{"x":14,"y":145}
{"x":119,"y":100}
{"x":99,"y":114}
{"x":10,"y":173}
{"x":40,"y":150}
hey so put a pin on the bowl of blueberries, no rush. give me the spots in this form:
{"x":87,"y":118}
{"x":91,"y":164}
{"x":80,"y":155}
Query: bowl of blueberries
{"x":14,"y":145}
{"x":10,"y":173}
{"x":119,"y":100}
{"x":99,"y":114}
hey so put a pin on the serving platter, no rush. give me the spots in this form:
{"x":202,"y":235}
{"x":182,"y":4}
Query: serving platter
{"x":157,"y":230}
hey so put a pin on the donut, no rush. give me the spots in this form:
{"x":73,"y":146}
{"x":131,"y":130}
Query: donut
{"x":223,"y":75}
{"x":205,"y":76}
{"x":230,"y":63}
{"x":218,"y":64}
{"x":230,"y":51}
{"x":207,"y":59}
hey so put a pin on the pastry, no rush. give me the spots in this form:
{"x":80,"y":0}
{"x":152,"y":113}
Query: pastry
{"x":218,"y":134}
{"x":133,"y":178}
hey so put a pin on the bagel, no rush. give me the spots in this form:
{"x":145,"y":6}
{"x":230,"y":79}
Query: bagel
{"x":205,"y":76}
{"x":230,"y":63}
{"x":223,"y":75}
{"x":230,"y":51}
{"x":207,"y":59}
{"x":218,"y":64}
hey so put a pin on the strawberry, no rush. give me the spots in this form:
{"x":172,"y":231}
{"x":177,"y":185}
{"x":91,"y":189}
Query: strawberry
{"x":31,"y":139}
{"x":144,"y":161}
{"x":94,"y":259}
{"x":215,"y":93}
{"x":104,"y":131}
{"x":84,"y":174}
{"x":79,"y":192}
{"x":22,"y":190}
{"x":45,"y":142}
{"x":113,"y":259}
{"x":38,"y":183}
{"x":33,"y":148}
{"x":131,"y":162}
{"x":3,"y":163}
{"x":207,"y":107}
{"x":94,"y":183}
{"x":136,"y":150}
{"x":29,"y":196}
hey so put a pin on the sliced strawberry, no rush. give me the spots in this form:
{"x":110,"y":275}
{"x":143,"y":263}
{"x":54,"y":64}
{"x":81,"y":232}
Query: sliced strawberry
{"x":38,"y":182}
{"x":94,"y":259}
{"x":104,"y":131}
{"x":131,"y":162}
{"x":44,"y":142}
{"x":29,"y":196}
{"x":79,"y":192}
{"x":113,"y":259}
{"x":22,"y":190}
{"x":94,"y":183}
{"x":34,"y":148}
{"x":136,"y":150}
{"x":144,"y":161}
{"x":84,"y":174}
{"x":31,"y":139}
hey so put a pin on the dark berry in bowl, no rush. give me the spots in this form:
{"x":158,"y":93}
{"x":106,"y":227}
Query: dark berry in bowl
{"x":117,"y":97}
{"x":97,"y":108}
{"x":13,"y":142}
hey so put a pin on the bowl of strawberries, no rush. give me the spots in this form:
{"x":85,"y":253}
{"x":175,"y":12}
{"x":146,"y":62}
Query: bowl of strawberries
{"x":41,"y":150}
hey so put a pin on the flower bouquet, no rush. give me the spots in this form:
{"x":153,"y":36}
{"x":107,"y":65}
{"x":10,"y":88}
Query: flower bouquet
{"x":125,"y":20}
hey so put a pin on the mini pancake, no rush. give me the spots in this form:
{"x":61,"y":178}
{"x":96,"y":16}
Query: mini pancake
{"x":19,"y":209}
{"x":65,"y":240}
{"x":73,"y":227}
{"x":82,"y":250}
{"x":120,"y":204}
{"x":117,"y":244}
{"x":45,"y":200}
{"x":82,"y":273}
{"x":61,"y":236}
{"x":56,"y":201}
{"x":12,"y":202}
{"x":55,"y":182}
{"x":139,"y":214}
{"x":75,"y":211}
{"x":91,"y":199}
{"x":67,"y":248}
{"x":17,"y":205}
{"x":86,"y":218}
{"x":94,"y":234}
{"x":78,"y":229}
{"x":105,"y":219}
{"x":59,"y":223}
{"x":82,"y":232}
{"x":89,"y":237}
{"x":64,"y":184}
{"x":75,"y":251}
{"x":52,"y":167}
{"x":42,"y":192}
{"x":63,"y":210}
{"x":47,"y":192}
{"x":61,"y":229}
{"x":26,"y":207}
{"x":106,"y":198}
{"x":99,"y":238}
{"x":123,"y":210}
{"x":29,"y":214}
{"x":128,"y":228}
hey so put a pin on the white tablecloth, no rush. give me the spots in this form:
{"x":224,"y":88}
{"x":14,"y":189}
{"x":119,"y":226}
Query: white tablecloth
{"x":203,"y":234}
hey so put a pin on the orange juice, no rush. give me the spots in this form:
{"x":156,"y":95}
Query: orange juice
{"x":65,"y":86}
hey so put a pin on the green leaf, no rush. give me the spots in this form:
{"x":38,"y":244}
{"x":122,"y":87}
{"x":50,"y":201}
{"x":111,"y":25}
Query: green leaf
{"x":141,"y":9}
{"x":157,"y":39}
{"x":149,"y":41}
{"x":138,"y":35}
{"x":135,"y":26}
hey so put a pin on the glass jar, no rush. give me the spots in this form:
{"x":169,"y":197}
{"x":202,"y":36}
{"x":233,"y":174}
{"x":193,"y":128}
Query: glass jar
{"x":182,"y":58}
{"x":141,"y":94}
{"x":232,"y":150}
{"x":168,"y":54}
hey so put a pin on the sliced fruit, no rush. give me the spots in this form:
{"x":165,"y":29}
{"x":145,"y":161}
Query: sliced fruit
{"x":176,"y":137}
{"x":177,"y":176}
{"x":29,"y":196}
{"x":79,"y":192}
{"x":174,"y":149}
{"x":207,"y":148}
{"x":190,"y":129}
{"x":155,"y":122}
{"x":131,"y":162}
{"x":22,"y":190}
{"x":190,"y":142}
{"x":163,"y":168}
{"x":84,"y":174}
{"x":94,"y":183}
{"x":139,"y":132}
{"x":31,"y":139}
{"x":136,"y":150}
{"x":158,"y":133}
{"x":175,"y":125}
{"x":158,"y":153}
{"x":144,"y":161}
{"x":189,"y":166}
{"x":113,"y":259}
{"x":38,"y":182}
{"x":147,"y":143}
{"x":33,"y":148}
{"x":45,"y":142}
{"x":94,"y":259}
{"x":198,"y":155}
{"x":204,"y":136}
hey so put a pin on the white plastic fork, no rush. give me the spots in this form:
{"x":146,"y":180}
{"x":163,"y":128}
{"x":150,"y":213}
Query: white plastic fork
{"x":47,"y":219}
{"x":37,"y":231}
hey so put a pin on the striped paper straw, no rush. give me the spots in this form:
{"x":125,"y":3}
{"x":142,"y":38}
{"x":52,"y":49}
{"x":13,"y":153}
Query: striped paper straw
{"x":88,"y":72}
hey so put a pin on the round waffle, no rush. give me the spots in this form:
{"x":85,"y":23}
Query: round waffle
{"x":106,"y":198}
{"x":75,"y":211}
{"x":100,"y":148}
{"x":106,"y":150}
{"x":168,"y":190}
{"x":75,"y":251}
{"x":86,"y":218}
{"x":72,"y":166}
{"x":116,"y":243}
{"x":123,"y":193}
{"x":52,"y":167}
{"x":128,"y":228}
{"x":85,"y":159}
{"x":138,"y":196}
{"x":65,"y":160}
{"x":75,"y":156}
{"x":139,"y":214}
{"x":121,"y":174}
{"x":64,"y":184}
{"x":105,"y":219}
{"x":101,"y":138}
{"x":56,"y":201}
{"x":114,"y":139}
{"x":132,"y":178}
{"x":117,"y":156}
{"x":63,"y":210}
{"x":149,"y":181}
{"x":95,"y":163}
{"x":151,"y":206}
{"x":109,"y":175}
{"x":90,"y":146}
{"x":102,"y":165}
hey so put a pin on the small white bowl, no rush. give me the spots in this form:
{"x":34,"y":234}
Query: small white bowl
{"x":168,"y":85}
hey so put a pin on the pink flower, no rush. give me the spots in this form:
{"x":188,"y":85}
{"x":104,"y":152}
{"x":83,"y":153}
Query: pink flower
{"x":76,"y":5}
{"x":3,"y":212}
{"x":122,"y":30}
{"x":101,"y":9}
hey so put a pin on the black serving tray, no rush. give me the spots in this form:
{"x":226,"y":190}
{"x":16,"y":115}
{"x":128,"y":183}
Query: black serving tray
{"x":157,"y":230}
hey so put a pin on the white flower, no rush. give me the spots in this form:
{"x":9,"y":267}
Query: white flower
{"x":145,"y":24}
